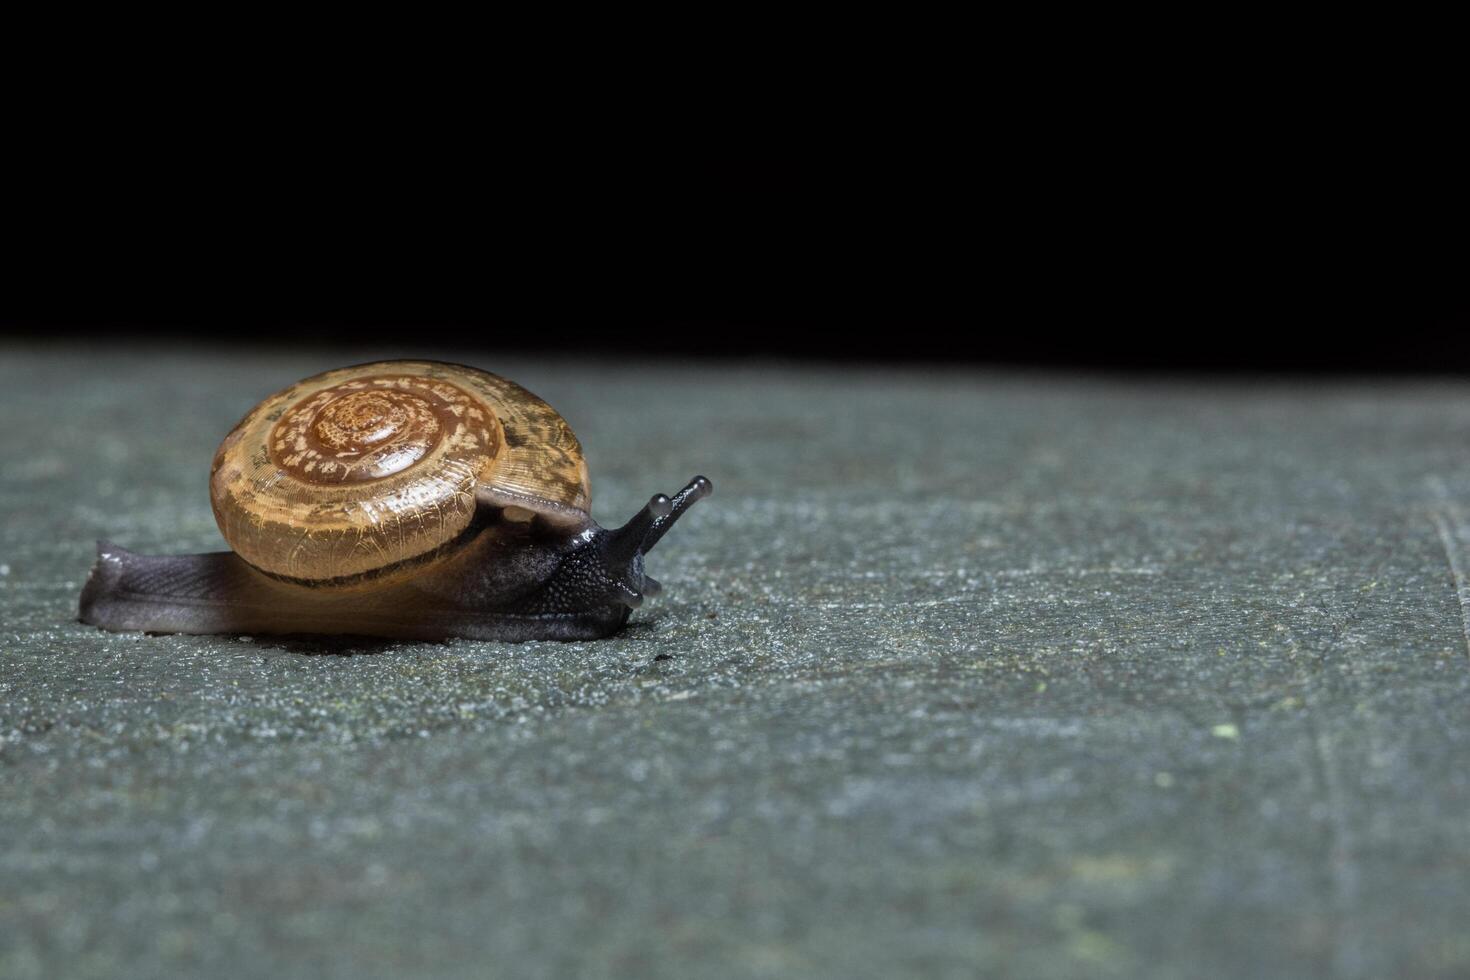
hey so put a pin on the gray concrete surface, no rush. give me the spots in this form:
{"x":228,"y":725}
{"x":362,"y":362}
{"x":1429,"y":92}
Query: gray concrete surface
{"x":957,"y":674}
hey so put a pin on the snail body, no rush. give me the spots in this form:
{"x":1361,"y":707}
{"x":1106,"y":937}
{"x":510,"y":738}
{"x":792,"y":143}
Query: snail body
{"x":404,"y":499}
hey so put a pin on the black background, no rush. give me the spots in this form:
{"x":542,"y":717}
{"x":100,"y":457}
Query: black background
{"x":1060,"y":254}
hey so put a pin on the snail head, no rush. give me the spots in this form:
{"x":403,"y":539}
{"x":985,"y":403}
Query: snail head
{"x":608,"y":569}
{"x":623,"y":549}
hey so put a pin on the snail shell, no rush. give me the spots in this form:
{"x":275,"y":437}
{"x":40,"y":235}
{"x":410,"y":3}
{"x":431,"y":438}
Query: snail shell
{"x":359,"y":469}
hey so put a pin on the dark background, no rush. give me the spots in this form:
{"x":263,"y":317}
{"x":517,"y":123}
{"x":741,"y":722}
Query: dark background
{"x":1054,"y":256}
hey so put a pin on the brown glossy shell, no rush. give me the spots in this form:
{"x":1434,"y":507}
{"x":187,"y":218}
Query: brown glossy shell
{"x":358,"y":469}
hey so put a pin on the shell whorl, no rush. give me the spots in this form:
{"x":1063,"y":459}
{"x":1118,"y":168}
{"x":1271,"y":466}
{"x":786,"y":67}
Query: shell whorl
{"x":358,"y":469}
{"x":375,"y":427}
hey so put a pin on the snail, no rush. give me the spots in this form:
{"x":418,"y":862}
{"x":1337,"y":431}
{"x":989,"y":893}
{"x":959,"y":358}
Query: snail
{"x":403,"y":499}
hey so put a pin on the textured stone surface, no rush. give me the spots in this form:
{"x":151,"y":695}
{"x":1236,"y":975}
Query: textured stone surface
{"x":955,"y":672}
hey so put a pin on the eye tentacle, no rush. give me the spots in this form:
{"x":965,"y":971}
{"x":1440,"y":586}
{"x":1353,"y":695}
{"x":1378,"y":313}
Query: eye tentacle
{"x":698,"y":488}
{"x":627,"y":540}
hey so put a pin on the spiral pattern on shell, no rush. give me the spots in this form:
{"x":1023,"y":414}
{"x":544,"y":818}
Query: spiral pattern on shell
{"x":370,"y":428}
{"x":356,"y":470}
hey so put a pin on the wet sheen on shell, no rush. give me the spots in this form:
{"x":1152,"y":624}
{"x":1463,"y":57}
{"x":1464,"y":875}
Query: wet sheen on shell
{"x":358,"y":469}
